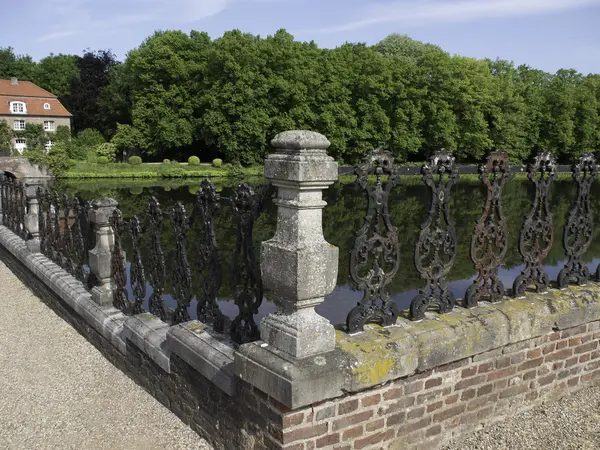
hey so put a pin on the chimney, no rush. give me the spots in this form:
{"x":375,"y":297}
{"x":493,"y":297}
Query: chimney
{"x":14,"y":81}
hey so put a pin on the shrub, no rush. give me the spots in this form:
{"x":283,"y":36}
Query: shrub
{"x":217,"y":162}
{"x":134,"y":160}
{"x":174,"y":162}
{"x":235,"y":171}
{"x":71,"y":162}
{"x":107,"y":149}
{"x":194,"y":161}
{"x":90,"y":137}
{"x":172,"y":172}
{"x":166,"y":161}
{"x":102,"y":160}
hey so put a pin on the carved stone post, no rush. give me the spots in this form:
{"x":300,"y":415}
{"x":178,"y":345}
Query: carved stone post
{"x":32,"y":224}
{"x":296,"y":359}
{"x":298,"y":266}
{"x":100,"y":255}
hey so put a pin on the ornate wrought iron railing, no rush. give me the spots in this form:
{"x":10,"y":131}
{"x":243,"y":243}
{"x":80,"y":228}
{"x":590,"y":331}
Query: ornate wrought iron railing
{"x":374,"y":259}
{"x":194,"y":269}
{"x":13,"y":205}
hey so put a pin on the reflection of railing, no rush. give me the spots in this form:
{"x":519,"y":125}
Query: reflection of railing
{"x":375,"y":257}
{"x":195,"y":267}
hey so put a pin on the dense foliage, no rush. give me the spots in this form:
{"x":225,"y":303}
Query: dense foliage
{"x":177,"y":95}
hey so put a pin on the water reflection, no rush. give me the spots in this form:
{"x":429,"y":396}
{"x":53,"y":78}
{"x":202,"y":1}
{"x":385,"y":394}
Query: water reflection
{"x":343,"y":217}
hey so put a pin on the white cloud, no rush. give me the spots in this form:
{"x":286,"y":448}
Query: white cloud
{"x":73,"y":17}
{"x":414,"y":12}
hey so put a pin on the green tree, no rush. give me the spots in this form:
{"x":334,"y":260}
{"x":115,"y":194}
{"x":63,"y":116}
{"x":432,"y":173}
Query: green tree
{"x":56,"y":73}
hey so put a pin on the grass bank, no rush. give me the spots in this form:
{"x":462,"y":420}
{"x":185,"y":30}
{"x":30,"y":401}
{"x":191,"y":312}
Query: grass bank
{"x":84,"y":170}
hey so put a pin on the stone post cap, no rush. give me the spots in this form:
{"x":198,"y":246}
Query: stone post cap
{"x":298,"y":140}
{"x":104,"y":202}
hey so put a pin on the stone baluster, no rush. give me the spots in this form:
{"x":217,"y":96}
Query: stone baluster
{"x":299,"y":268}
{"x":100,"y":255}
{"x":32,"y":224}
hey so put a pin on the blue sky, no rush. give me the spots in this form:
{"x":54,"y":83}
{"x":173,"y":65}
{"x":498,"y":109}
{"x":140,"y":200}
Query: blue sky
{"x":546,"y":34}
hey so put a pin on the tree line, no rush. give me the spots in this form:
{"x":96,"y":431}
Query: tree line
{"x":178,"y":94}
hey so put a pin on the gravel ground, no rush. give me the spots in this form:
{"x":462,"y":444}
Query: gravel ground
{"x":570,"y":423}
{"x":58,"y":392}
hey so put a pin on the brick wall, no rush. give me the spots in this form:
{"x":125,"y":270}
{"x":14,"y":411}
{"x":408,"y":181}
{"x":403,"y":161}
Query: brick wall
{"x":437,"y":406}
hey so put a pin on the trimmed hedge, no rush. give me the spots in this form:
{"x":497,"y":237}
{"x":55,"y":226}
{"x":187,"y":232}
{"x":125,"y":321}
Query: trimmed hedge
{"x":194,"y":161}
{"x":166,"y":161}
{"x":217,"y":162}
{"x":71,"y":162}
{"x":102,"y":160}
{"x":134,"y":160}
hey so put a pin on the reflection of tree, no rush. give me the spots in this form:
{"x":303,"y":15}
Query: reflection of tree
{"x":344,"y":215}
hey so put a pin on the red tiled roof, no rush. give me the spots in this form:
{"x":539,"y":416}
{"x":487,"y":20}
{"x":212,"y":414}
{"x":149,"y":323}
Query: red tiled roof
{"x":33,"y":96}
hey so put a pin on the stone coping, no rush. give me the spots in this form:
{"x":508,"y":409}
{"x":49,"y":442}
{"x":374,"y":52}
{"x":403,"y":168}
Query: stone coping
{"x":379,"y":355}
{"x":359,"y":362}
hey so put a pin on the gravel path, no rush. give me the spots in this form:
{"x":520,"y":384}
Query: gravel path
{"x":570,"y":423}
{"x":58,"y":392}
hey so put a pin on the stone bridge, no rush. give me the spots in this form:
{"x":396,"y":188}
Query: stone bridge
{"x":22,"y":168}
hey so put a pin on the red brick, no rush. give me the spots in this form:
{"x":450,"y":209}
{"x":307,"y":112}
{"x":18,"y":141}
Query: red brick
{"x":304,"y":433}
{"x":529,"y":375}
{"x":433,"y":431}
{"x":372,"y":426}
{"x":325,"y":413}
{"x":548,"y":348}
{"x":350,"y":420}
{"x":433,"y":382}
{"x":467,"y":395}
{"x":571,"y":362}
{"x":415,"y":413}
{"x":593,"y":365}
{"x":351,"y":433}
{"x":469,"y":382}
{"x":374,"y":439}
{"x":452,"y":399}
{"x":485,"y":367}
{"x":596,"y":354}
{"x":586,"y":347}
{"x":535,"y":353}
{"x":561,"y":354}
{"x":547,"y":379}
{"x":558,"y":365}
{"x":596,"y":335}
{"x":555,"y":336}
{"x":503,"y":362}
{"x":469,"y":372}
{"x":573,"y":331}
{"x":514,"y":390}
{"x":562,"y":344}
{"x":347,"y":407}
{"x":371,"y":400}
{"x":292,"y":420}
{"x":573,"y":342}
{"x":410,"y":427}
{"x":502,"y":373}
{"x":413,"y":387}
{"x":501,"y":384}
{"x":428,"y":396}
{"x":330,"y":439}
{"x":484,"y":390}
{"x":585,"y":338}
{"x":573,"y":382}
{"x":531,"y":364}
{"x":584,"y":358}
{"x":299,"y":446}
{"x":450,"y":412}
{"x":397,"y":405}
{"x":434,"y":406}
{"x":481,"y":401}
{"x":393,"y":393}
{"x":518,"y":358}
{"x":396,"y":419}
{"x":543,"y":370}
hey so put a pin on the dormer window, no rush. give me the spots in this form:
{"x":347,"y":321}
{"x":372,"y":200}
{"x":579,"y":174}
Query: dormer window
{"x":18,"y":108}
{"x":47,"y":106}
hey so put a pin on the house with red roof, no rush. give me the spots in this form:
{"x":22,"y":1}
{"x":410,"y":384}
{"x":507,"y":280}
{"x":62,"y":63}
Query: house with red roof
{"x":22,"y":103}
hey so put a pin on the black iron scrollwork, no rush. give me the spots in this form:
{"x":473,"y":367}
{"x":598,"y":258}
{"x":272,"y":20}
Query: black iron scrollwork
{"x":157,"y":268}
{"x":136,"y":271}
{"x":536,"y":236}
{"x":208,"y":266}
{"x":375,"y":257}
{"x":43,"y":219}
{"x":118,"y":265}
{"x":182,"y":278}
{"x":246,"y":283}
{"x":435,"y":250}
{"x":56,"y":240}
{"x":579,"y":227}
{"x":79,"y":247}
{"x":67,"y":238}
{"x":490,"y":238}
{"x":21,"y":211}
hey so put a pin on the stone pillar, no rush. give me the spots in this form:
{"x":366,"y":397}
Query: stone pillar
{"x":100,"y":255}
{"x":298,"y":266}
{"x":32,"y":224}
{"x":296,"y":361}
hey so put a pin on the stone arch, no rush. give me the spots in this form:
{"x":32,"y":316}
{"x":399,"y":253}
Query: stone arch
{"x":22,"y":168}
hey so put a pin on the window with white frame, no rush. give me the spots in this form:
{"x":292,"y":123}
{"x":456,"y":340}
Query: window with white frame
{"x":20,"y":144}
{"x":18,"y":108}
{"x":49,"y":125}
{"x":47,"y":106}
{"x":49,"y":144}
{"x":19,"y":125}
